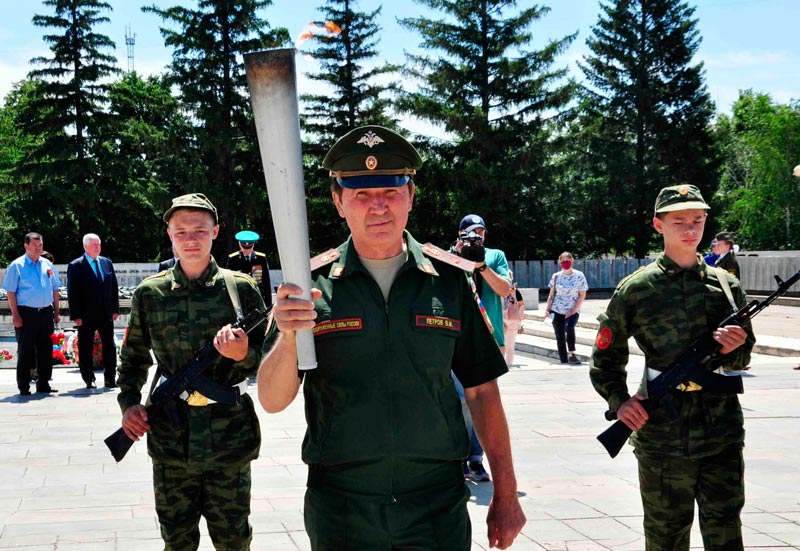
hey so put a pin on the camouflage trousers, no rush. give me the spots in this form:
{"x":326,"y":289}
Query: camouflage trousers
{"x":671,"y":484}
{"x":222,"y":496}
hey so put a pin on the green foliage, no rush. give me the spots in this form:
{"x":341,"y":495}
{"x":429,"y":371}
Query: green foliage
{"x":759,"y":196}
{"x":348,"y":70}
{"x":498,"y":99}
{"x":645,"y":119}
{"x":207,"y":44}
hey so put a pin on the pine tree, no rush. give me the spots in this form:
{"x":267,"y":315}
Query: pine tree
{"x":345,"y":51}
{"x":497,"y":97}
{"x":67,"y":109}
{"x":212,"y":84}
{"x":649,"y":111}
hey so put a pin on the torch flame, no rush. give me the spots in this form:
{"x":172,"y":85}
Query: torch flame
{"x":312,"y":29}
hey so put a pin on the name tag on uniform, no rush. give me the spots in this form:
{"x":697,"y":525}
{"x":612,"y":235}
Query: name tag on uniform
{"x":438,"y":322}
{"x":333,"y":326}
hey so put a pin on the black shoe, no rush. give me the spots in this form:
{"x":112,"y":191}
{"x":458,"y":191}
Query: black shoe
{"x":91,"y":385}
{"x":25,"y":392}
{"x":46,"y":390}
{"x":110,"y":385}
{"x":573,"y":359}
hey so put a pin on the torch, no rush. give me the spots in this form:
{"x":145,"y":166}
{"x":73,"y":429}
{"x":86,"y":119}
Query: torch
{"x":273,"y":92}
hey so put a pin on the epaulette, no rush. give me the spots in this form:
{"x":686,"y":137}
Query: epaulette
{"x":325,"y":258}
{"x":234,"y":253}
{"x":260,"y":254}
{"x":629,"y":276}
{"x":448,"y":258}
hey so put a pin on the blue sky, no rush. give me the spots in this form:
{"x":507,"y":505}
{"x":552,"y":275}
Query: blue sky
{"x":746,"y":43}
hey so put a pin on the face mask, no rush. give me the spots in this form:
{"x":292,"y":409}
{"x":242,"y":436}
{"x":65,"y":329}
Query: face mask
{"x":566,"y":264}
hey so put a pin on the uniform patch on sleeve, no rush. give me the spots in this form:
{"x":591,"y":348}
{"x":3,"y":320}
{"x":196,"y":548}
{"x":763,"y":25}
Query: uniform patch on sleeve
{"x":604,"y":338}
{"x":333,"y":326}
{"x":438,"y":322}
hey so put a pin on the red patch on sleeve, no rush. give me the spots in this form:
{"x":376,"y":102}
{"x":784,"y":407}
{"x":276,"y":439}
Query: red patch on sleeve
{"x":345,"y":324}
{"x":604,"y":338}
{"x":438,"y":322}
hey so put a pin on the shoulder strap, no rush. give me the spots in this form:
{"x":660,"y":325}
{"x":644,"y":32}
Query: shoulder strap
{"x":233,"y":292}
{"x":726,"y":288}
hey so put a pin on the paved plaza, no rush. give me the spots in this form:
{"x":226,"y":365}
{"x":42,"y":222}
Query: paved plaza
{"x":61,"y":489}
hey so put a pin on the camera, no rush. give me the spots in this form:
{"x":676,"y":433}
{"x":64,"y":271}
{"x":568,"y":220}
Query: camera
{"x":470,"y":238}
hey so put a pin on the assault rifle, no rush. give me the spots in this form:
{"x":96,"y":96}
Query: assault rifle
{"x":692,"y":366}
{"x":188,"y":378}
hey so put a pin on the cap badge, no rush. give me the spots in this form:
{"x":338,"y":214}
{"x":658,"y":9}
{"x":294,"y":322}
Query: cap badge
{"x":683,"y":190}
{"x":370,"y":139}
{"x":371,"y":162}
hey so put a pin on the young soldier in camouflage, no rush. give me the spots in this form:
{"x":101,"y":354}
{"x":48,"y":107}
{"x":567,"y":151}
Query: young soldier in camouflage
{"x":665,"y":306}
{"x":203,"y":467}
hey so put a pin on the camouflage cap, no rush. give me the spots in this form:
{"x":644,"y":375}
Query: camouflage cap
{"x":682,"y":197}
{"x":372,"y":156}
{"x":191,"y":201}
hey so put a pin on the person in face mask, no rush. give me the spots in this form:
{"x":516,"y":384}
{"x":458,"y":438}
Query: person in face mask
{"x":567,"y":291}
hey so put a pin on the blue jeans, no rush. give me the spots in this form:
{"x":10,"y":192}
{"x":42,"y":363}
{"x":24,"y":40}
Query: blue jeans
{"x":475,"y":448}
{"x":565,"y":333}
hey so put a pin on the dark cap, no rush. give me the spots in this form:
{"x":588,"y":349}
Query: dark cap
{"x":724,"y":236}
{"x":683,"y":197}
{"x":191,"y":201}
{"x":372,"y":156}
{"x":470,"y":222}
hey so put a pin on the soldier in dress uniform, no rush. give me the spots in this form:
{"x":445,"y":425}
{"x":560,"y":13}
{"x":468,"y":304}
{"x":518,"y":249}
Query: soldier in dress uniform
{"x":696,"y":456}
{"x":201,"y":468}
{"x":391,"y":318}
{"x":251,"y":262}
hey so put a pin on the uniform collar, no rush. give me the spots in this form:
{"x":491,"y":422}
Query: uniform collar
{"x":207,"y":279}
{"x":671,"y":268}
{"x":349,"y":262}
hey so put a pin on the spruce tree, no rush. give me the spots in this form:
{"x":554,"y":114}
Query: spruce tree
{"x":207,"y":43}
{"x":649,"y":113}
{"x":72,"y":95}
{"x":346,"y":53}
{"x":497,"y":97}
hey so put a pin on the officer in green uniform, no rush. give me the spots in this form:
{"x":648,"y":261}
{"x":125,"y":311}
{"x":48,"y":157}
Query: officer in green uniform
{"x":665,"y":306}
{"x":386,"y":436}
{"x":251,"y":262}
{"x":203,"y":467}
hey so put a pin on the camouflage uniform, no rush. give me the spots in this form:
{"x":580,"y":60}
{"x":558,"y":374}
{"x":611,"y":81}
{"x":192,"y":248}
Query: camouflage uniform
{"x":698,"y":457}
{"x":203,"y":468}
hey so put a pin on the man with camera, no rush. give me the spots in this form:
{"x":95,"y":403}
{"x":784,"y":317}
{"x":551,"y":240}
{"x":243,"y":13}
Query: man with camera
{"x":493,"y":283}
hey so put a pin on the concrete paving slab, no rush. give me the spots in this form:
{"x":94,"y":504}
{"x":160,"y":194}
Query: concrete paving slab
{"x":62,"y":490}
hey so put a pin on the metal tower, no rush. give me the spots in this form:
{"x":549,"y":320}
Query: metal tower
{"x":130,"y":41}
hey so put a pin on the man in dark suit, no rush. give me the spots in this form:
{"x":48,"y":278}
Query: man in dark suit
{"x":252,"y":263}
{"x":94,"y":306}
{"x":167,"y":264}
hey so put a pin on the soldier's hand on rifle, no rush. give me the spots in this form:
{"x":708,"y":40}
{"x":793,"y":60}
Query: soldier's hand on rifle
{"x":632,"y":413}
{"x":730,"y":338}
{"x":134,"y":422}
{"x":231,"y":343}
{"x":294,"y":314}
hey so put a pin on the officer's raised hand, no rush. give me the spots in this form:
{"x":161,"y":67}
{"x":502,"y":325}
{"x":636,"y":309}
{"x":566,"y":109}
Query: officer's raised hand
{"x":294,"y":314}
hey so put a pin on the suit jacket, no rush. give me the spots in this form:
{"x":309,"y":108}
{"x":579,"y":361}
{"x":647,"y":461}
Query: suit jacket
{"x":166,"y":264}
{"x":729,"y":263}
{"x":88,"y":297}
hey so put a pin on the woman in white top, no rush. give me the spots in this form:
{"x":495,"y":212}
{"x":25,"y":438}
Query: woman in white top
{"x":567,"y":292}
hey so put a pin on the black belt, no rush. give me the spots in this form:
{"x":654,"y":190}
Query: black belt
{"x":50,"y":307}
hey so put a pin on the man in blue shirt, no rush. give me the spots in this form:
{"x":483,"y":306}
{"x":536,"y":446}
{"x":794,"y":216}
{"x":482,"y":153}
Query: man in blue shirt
{"x":492,"y":283}
{"x":32,"y":285}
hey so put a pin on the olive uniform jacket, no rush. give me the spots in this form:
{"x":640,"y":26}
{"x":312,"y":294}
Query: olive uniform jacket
{"x":173,"y":317}
{"x":383,"y":387}
{"x":665,"y":308}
